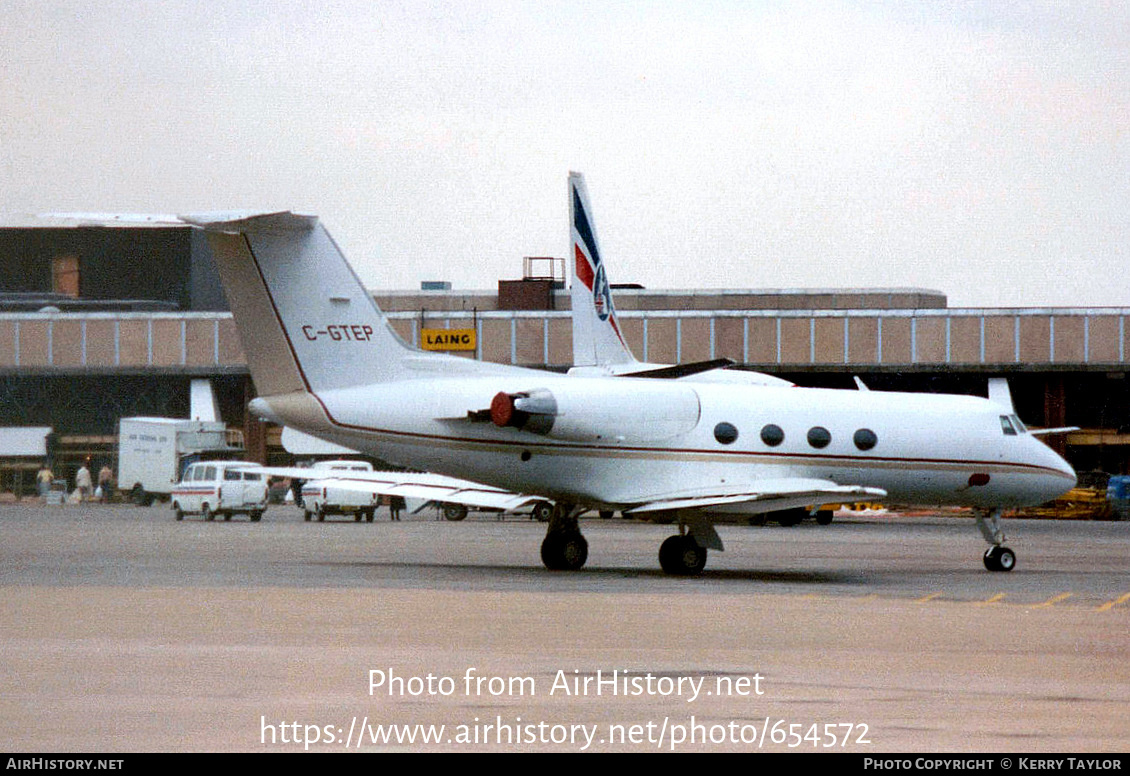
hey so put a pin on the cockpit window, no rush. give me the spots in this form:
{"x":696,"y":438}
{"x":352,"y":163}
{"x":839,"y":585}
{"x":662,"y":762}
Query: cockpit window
{"x":1007,"y":427}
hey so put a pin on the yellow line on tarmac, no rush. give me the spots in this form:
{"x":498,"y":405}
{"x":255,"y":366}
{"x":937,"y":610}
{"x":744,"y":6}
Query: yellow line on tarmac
{"x":995,"y":599}
{"x":1111,"y":604}
{"x":1053,"y":600}
{"x":930,"y":597}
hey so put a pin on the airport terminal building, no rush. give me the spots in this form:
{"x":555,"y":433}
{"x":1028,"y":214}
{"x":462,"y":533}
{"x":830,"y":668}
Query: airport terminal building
{"x":99,"y":323}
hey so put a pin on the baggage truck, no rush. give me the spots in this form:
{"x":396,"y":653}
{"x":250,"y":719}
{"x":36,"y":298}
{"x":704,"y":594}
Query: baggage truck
{"x":154,"y":452}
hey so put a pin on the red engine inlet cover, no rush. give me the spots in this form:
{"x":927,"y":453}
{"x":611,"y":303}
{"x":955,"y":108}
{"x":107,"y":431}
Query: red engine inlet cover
{"x":502,"y":409}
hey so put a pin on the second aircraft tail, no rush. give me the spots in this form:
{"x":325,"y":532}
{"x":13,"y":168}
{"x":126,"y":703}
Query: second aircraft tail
{"x":597,"y":339}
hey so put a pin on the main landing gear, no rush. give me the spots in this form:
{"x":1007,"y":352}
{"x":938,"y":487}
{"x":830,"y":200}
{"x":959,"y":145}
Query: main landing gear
{"x":997,"y":557}
{"x":564,"y":548}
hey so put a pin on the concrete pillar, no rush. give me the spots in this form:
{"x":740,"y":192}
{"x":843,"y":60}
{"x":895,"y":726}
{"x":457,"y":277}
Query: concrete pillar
{"x":254,"y":430}
{"x":1055,"y":411}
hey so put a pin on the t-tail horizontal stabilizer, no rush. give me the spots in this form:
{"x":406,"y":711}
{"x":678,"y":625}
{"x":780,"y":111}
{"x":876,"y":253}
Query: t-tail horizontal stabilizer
{"x":306,"y":322}
{"x":681,"y":370}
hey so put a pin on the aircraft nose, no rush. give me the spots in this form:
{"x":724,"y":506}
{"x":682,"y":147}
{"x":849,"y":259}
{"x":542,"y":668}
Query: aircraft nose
{"x":1064,"y":478}
{"x":1070,"y":472}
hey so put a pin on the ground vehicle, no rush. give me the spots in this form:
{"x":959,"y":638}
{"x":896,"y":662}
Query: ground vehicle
{"x":211,"y":488}
{"x":153,"y":452}
{"x":1118,"y":497}
{"x":332,"y":492}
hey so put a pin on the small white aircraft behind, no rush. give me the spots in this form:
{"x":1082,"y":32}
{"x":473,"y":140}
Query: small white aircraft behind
{"x":599,"y":347}
{"x":326,"y":361}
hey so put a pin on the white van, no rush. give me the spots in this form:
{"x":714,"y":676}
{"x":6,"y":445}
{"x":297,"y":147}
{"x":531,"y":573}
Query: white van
{"x":334,"y":492}
{"x":211,"y":488}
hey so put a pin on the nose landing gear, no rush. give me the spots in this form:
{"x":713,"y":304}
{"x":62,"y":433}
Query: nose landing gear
{"x":997,"y":557}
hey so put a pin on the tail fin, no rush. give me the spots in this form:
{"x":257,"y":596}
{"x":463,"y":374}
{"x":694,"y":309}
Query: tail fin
{"x":597,"y":339}
{"x":305,"y":320}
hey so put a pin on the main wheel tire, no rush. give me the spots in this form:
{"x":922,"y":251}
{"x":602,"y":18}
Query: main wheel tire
{"x":227,"y":517}
{"x":606,"y":514}
{"x":369,"y":515}
{"x":824,"y":517}
{"x":790,"y":517}
{"x":543,"y":510}
{"x":564,"y":551}
{"x":320,"y":513}
{"x":206,"y":513}
{"x":256,"y":516}
{"x":682,"y":556}
{"x":454,"y":512}
{"x":306,"y":515}
{"x":178,"y":513}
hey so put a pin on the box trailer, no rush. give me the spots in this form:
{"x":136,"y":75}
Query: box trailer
{"x":154,"y":452}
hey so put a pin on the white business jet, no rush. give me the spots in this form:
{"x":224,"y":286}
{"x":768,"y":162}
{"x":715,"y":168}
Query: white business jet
{"x":326,"y":361}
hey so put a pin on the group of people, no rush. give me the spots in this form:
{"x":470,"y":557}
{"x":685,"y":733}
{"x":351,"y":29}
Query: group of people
{"x":84,"y":481}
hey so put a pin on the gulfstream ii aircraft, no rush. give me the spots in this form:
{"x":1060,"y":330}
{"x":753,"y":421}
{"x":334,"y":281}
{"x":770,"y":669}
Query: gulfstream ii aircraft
{"x":326,"y":361}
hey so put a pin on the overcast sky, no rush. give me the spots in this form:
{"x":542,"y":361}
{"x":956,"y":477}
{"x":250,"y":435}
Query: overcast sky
{"x":981,"y":149}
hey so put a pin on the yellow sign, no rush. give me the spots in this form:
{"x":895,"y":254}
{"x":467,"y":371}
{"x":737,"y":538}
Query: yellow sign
{"x":449,"y":339}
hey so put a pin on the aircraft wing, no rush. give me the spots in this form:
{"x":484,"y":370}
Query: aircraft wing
{"x":1038,"y":432}
{"x":428,"y":488}
{"x":763,"y":496}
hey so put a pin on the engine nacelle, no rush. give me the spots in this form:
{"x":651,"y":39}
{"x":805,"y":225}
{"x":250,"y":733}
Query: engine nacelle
{"x":605,"y":411}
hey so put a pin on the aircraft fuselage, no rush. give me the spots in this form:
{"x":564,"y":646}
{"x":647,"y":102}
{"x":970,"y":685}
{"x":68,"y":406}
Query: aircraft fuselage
{"x":663,"y":437}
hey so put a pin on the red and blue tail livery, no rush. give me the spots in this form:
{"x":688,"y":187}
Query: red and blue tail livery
{"x":601,"y":341}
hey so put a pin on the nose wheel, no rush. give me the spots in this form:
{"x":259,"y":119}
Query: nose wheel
{"x":1000,"y":558}
{"x":997,"y":557}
